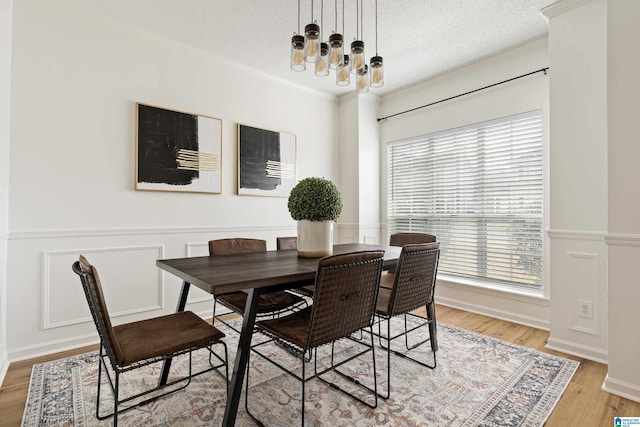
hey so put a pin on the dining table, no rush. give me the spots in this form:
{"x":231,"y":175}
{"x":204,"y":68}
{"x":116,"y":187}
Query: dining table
{"x":256,"y":274}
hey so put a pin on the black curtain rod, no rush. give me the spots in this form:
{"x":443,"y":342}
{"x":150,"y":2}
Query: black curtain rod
{"x":542,"y":70}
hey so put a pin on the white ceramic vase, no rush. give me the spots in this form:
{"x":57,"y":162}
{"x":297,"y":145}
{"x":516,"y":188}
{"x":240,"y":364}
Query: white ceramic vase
{"x":315,"y":239}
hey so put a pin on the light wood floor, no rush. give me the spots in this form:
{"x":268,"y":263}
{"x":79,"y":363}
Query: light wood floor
{"x":583,"y":404}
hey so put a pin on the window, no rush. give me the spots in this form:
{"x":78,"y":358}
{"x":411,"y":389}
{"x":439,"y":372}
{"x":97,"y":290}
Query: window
{"x":479,"y":190}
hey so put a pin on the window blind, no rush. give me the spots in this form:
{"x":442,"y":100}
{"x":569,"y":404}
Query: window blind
{"x":479,"y":190}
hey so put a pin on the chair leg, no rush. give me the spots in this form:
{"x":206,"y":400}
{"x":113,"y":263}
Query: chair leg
{"x":99,"y":383}
{"x":433,"y":326}
{"x":115,"y":399}
{"x":215,"y":302}
{"x":303,"y":384}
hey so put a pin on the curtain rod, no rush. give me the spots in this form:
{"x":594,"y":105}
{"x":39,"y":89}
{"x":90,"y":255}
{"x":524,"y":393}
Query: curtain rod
{"x":541,"y":70}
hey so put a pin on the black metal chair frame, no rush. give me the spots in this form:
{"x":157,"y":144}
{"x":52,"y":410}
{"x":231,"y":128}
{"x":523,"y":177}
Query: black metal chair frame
{"x":107,"y":359}
{"x":301,"y":352}
{"x":401,"y":278}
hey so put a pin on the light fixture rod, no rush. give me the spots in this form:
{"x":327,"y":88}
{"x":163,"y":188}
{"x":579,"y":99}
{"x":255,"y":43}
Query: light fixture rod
{"x":376,"y":27}
{"x":298,"y":16}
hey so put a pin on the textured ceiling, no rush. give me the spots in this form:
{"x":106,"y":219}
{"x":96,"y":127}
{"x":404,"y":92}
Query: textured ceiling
{"x":418,"y":39}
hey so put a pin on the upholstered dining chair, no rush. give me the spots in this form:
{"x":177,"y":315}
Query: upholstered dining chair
{"x":138,"y":344}
{"x":286,"y":243}
{"x":271,"y":304}
{"x":401,"y":239}
{"x":413,"y":287}
{"x":304,"y":288}
{"x":344,"y":302}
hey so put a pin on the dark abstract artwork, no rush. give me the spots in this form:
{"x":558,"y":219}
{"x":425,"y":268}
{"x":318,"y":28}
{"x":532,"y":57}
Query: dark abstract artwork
{"x":267,"y":162}
{"x":177,"y":151}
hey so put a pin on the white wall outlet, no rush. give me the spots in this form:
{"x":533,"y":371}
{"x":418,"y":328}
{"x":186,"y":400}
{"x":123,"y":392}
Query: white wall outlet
{"x":585,"y":309}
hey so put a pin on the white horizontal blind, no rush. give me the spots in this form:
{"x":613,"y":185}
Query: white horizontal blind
{"x":478,"y":189}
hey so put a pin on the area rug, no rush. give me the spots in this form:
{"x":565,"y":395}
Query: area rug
{"x":479,"y":381}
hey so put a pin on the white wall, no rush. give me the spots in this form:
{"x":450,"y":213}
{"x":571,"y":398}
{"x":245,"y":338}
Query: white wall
{"x":577,"y":54}
{"x":76,"y":79}
{"x":623,"y":69}
{"x":5,"y":101}
{"x":530,"y":93}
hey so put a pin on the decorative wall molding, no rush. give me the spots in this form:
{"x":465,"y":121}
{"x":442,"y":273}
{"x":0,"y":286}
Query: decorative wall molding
{"x":579,"y":350}
{"x":596,"y":236}
{"x":563,"y":6}
{"x":622,"y":239}
{"x":582,"y":278}
{"x":47,"y":257}
{"x":138,"y":231}
{"x":621,"y":388}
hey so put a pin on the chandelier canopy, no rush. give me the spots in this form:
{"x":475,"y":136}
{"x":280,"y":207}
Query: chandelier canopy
{"x":330,"y":55}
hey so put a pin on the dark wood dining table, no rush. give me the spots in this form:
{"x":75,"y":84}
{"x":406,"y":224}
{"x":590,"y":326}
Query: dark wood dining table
{"x":254,"y":273}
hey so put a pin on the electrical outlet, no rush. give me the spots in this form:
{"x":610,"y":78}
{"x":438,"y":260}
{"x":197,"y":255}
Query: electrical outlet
{"x":585,"y":309}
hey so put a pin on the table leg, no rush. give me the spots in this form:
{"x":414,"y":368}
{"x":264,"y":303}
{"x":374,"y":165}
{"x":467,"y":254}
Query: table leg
{"x":433,"y":328}
{"x":242,"y":356}
{"x":182,"y":302}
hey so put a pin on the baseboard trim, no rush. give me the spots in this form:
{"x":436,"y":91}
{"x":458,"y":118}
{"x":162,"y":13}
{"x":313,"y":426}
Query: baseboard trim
{"x":498,"y":314}
{"x":621,"y":388}
{"x":579,"y":350}
{"x":4,"y":367}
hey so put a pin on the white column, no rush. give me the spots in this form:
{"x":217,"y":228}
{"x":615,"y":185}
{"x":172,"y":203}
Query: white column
{"x":578,"y":177}
{"x":623,"y":74}
{"x":359,"y":166}
{"x":6,"y":7}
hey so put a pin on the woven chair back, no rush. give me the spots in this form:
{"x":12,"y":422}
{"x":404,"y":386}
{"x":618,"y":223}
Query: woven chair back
{"x":236,"y":246}
{"x":415,"y":278}
{"x":401,"y":239}
{"x":345,"y":295}
{"x":98,"y":307}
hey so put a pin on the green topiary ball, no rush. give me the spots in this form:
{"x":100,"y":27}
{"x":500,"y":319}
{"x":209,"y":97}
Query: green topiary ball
{"x":315,"y":199}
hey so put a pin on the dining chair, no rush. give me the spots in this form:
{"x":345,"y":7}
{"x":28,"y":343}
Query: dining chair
{"x":401,"y":239}
{"x":270,"y":304}
{"x":135,"y":345}
{"x":306,"y":287}
{"x":344,"y":302}
{"x":286,"y":243}
{"x":413,"y":287}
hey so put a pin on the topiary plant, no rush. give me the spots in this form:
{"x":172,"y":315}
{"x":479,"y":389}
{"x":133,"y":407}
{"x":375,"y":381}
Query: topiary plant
{"x":315,"y":199}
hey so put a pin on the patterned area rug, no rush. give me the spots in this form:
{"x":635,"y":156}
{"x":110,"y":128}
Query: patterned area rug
{"x":479,"y":381}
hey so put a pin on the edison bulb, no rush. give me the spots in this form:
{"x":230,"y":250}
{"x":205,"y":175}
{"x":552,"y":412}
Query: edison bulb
{"x":376,"y":76}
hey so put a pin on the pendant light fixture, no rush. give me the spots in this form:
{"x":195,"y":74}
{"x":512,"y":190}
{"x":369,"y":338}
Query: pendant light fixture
{"x":357,"y":46}
{"x":343,"y":73}
{"x":322,"y":65}
{"x":336,"y":41}
{"x":297,"y":48}
{"x":312,"y":40}
{"x":331,"y":55}
{"x":362,"y":82}
{"x":377,"y":66}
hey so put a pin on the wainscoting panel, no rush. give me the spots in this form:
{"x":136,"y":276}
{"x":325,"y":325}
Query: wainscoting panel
{"x":127,"y":290}
{"x":582,"y":271}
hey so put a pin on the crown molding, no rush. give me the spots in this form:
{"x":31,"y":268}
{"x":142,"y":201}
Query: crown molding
{"x":563,"y":6}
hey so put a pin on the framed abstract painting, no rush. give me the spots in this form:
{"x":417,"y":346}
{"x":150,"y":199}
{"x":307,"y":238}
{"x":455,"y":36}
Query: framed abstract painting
{"x":177,"y":151}
{"x":266,"y":162}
